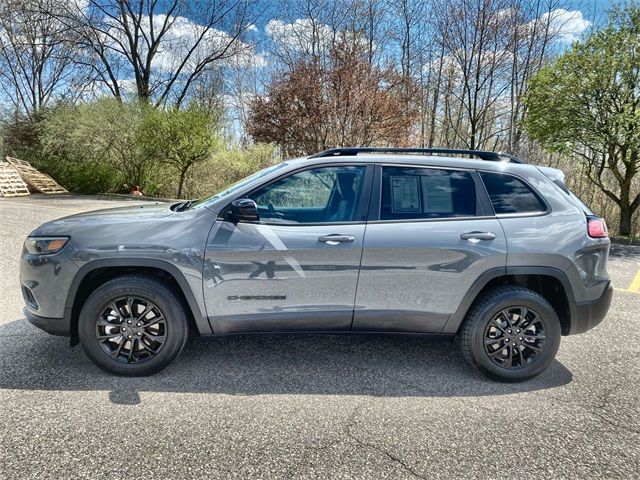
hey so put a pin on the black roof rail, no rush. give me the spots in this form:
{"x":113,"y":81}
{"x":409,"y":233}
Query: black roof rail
{"x":483,"y":155}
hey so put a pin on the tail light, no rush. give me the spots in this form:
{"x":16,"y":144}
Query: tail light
{"x":596,"y":227}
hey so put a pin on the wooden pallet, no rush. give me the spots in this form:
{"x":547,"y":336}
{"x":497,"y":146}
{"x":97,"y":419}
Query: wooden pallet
{"x":35,"y":179}
{"x":11,"y":184}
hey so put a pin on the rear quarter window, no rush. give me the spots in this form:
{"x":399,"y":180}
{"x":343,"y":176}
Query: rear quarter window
{"x":509,"y":194}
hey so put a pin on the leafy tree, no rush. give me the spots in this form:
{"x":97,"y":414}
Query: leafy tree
{"x":587,"y":104}
{"x":178,"y":138}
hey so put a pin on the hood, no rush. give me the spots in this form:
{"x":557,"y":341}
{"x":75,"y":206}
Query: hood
{"x":149,"y":230}
{"x":137,"y":214}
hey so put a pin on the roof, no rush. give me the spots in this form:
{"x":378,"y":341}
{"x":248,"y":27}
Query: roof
{"x":481,"y":154}
{"x":440,"y":157}
{"x":415,"y":159}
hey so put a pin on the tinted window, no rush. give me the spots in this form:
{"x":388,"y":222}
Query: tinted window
{"x":510,"y":195}
{"x":415,"y":193}
{"x":326,"y":194}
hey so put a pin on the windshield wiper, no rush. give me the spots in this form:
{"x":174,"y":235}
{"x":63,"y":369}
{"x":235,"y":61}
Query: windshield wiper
{"x":182,"y":206}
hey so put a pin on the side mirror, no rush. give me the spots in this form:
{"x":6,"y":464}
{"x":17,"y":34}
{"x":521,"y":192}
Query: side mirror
{"x":244,"y":210}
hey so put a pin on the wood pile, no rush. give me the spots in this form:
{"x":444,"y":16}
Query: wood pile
{"x":18,"y":176}
{"x":11,"y":183}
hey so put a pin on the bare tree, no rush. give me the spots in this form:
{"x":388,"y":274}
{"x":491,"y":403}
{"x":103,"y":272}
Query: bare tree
{"x":476,"y":40}
{"x":348,"y":102}
{"x":36,"y":55}
{"x":157,"y":48}
{"x":306,"y":29}
{"x":534,"y":30}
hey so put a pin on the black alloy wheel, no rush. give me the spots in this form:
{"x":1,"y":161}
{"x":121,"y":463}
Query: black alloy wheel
{"x":510,"y":334}
{"x":131,"y":329}
{"x":133,"y":325}
{"x":514,"y":337}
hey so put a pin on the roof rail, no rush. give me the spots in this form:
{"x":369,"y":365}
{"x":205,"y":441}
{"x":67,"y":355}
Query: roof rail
{"x":483,"y":155}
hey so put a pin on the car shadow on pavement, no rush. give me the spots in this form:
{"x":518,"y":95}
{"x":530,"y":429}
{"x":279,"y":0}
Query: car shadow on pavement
{"x":388,"y":366}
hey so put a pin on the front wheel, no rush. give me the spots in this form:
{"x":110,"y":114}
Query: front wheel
{"x":511,"y":334}
{"x":133,"y":325}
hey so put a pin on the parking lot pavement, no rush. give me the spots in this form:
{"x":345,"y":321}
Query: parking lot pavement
{"x":312,"y":407}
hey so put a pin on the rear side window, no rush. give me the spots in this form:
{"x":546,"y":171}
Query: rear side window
{"x":510,"y":195}
{"x":423,"y":193}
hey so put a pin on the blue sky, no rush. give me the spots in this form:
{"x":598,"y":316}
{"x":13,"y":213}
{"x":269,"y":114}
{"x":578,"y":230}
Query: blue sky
{"x":590,"y":9}
{"x":586,"y":13}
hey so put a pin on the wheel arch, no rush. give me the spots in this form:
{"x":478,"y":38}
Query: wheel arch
{"x":552,"y":283}
{"x":95,"y":273}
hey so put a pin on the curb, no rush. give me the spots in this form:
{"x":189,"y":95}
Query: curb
{"x":625,"y":240}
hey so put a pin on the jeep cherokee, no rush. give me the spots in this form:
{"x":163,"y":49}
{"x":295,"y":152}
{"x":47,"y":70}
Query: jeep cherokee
{"x":486,"y":249}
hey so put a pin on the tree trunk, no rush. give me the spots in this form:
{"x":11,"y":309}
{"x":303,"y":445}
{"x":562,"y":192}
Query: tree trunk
{"x":183,"y":174}
{"x":626,"y":213}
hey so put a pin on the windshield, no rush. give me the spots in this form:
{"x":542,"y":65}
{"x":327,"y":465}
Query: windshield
{"x":239,"y":184}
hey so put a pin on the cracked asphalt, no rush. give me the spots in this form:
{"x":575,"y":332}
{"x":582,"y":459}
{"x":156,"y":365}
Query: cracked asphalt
{"x":315,"y":406}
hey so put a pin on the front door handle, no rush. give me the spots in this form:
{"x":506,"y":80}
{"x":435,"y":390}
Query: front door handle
{"x":478,"y":236}
{"x":335,"y":239}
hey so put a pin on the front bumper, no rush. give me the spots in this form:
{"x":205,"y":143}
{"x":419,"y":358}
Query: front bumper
{"x":590,"y":314}
{"x":54,"y":326}
{"x":45,"y":282}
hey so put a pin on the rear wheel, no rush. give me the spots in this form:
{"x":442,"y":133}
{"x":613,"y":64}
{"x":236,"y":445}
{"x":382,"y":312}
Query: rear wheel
{"x":133,"y":325}
{"x":511,"y":334}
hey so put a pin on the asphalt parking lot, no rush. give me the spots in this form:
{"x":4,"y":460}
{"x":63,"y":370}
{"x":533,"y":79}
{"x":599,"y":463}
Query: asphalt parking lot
{"x":312,"y":407}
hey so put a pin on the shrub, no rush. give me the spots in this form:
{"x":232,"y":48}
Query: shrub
{"x":179,"y":139}
{"x":110,"y":146}
{"x":97,"y":142}
{"x":227,"y":166}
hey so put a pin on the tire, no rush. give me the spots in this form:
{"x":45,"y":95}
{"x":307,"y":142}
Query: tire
{"x":113,"y":314}
{"x":494,"y":320}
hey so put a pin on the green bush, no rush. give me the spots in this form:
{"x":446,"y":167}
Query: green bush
{"x":110,"y":146}
{"x":178,"y":140}
{"x":95,"y":147}
{"x":228,"y":166}
{"x":83,"y":177}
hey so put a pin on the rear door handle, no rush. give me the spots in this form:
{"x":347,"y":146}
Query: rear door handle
{"x":335,"y":239}
{"x":478,"y":236}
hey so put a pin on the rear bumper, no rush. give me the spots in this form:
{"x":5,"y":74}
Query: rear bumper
{"x":590,"y":314}
{"x":54,"y":326}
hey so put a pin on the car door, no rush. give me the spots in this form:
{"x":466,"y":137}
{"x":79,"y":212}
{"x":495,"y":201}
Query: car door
{"x":431,"y":234}
{"x":297,"y":268}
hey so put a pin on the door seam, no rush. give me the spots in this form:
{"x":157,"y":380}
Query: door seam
{"x":355,"y":297}
{"x":372,"y":185}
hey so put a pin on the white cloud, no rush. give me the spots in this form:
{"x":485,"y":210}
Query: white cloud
{"x":300,"y":34}
{"x":181,"y":38}
{"x":128,"y":86}
{"x":305,"y":35}
{"x":566,"y":25}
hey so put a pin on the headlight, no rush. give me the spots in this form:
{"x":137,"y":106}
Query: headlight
{"x":45,"y":245}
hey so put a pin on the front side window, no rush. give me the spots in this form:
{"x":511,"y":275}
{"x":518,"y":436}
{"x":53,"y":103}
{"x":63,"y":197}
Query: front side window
{"x":238,"y":185}
{"x":510,"y":195}
{"x":424,"y":193}
{"x":318,"y":195}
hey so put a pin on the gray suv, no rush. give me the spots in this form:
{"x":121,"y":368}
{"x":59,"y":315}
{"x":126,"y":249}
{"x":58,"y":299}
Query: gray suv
{"x":486,"y":249}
